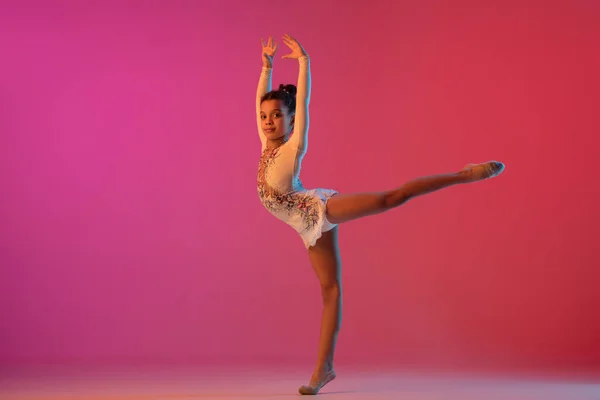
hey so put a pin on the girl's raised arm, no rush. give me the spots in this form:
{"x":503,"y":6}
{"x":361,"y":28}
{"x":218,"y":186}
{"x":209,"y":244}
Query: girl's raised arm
{"x":301,"y":119}
{"x":265,"y":81}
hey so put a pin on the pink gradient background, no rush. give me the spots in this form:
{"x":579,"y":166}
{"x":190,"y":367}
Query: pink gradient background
{"x":131,"y":230}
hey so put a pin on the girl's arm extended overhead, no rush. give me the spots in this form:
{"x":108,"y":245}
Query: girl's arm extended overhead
{"x":301,"y":119}
{"x":265,"y":80}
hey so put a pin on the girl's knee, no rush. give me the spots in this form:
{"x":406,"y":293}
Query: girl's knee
{"x":393,"y":199}
{"x":331,"y":290}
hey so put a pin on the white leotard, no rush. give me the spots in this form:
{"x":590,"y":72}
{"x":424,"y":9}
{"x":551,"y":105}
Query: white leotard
{"x":278,"y":184}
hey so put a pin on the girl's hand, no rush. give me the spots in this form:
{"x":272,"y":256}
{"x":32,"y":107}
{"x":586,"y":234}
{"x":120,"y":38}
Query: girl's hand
{"x":268,"y":52}
{"x":295,"y":46}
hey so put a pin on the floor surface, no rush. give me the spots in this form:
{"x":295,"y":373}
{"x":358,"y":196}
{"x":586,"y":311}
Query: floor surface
{"x":281,"y":383}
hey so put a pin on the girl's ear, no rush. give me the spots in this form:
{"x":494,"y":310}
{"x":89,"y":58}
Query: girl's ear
{"x":292,"y":120}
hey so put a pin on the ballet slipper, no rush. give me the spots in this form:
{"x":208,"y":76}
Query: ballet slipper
{"x":313,"y":387}
{"x":485,"y":170}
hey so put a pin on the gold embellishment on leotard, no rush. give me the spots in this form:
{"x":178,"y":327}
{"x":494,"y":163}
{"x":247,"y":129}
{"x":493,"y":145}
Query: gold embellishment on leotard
{"x":266,"y":159}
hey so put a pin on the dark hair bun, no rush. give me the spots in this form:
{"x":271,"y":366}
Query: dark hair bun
{"x":285,"y":93}
{"x":291,"y":89}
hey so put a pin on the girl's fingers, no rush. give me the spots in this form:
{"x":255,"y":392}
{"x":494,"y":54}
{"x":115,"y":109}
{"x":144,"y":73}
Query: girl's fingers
{"x":289,"y":43}
{"x":291,"y":39}
{"x":269,"y":42}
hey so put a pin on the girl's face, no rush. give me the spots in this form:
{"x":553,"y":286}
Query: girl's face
{"x":276,"y":121}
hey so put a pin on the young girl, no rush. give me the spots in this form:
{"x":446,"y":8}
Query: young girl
{"x":316,"y":213}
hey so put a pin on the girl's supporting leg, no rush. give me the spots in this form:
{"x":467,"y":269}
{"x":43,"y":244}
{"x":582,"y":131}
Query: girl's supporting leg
{"x":346,"y":207}
{"x":325,"y":259}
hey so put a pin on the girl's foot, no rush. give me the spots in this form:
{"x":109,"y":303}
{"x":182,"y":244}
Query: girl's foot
{"x":477,"y":172}
{"x":316,"y":383}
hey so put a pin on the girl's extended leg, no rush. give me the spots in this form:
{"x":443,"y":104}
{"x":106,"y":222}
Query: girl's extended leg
{"x":325,"y":259}
{"x":345,"y":207}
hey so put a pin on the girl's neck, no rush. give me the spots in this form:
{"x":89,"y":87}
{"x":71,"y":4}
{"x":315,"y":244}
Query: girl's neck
{"x":273,"y":144}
